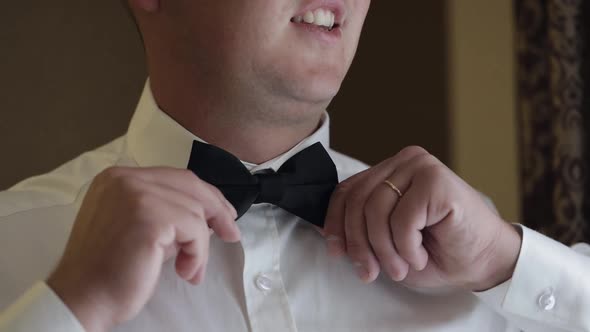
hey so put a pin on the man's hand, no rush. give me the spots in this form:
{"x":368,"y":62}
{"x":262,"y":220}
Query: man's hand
{"x":440,"y":233}
{"x":130,"y":222}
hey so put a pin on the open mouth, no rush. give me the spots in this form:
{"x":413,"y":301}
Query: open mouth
{"x":322,"y":18}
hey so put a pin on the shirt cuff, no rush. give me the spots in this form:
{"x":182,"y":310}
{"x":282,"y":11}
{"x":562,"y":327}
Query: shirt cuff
{"x":494,"y":297}
{"x":39,"y":309}
{"x":549,"y":286}
{"x":550,"y":283}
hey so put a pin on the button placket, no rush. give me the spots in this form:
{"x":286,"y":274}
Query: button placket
{"x":266,"y":301}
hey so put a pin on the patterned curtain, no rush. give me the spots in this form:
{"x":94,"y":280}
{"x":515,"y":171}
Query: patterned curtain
{"x":554,"y":114}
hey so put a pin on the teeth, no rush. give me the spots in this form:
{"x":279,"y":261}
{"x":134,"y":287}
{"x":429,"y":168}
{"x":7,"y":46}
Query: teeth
{"x":319,"y":17}
{"x":308,"y":18}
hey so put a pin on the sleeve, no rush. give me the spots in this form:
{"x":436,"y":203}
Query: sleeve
{"x":39,"y":309}
{"x":550,"y":287}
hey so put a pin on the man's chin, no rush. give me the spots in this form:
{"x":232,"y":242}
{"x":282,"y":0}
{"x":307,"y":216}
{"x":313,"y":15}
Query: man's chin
{"x":317,"y":93}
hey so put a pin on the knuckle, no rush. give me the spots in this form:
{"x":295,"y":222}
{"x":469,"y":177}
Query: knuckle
{"x":152,"y":231}
{"x":194,"y":181}
{"x":434,"y":172}
{"x":204,"y":189}
{"x":110,"y":172}
{"x":213,"y":189}
{"x":193,"y":178}
{"x":106,"y":177}
{"x":122,"y":183}
{"x":189,"y":174}
{"x":413,"y":150}
{"x":428,"y":160}
{"x":141,"y":202}
{"x":404,"y":248}
{"x":198,"y":212}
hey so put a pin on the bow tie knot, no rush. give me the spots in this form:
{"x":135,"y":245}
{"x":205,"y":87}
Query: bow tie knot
{"x":271,"y":187}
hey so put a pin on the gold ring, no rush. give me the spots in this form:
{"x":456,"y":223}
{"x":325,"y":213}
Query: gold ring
{"x":394,"y":188}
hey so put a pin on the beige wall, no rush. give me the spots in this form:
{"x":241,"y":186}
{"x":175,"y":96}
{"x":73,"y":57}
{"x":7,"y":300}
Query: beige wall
{"x":395,"y":93}
{"x":72,"y":71}
{"x":482,"y":99}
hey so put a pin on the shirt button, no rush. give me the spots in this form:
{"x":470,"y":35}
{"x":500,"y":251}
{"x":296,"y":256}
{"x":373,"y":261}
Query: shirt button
{"x":547,"y":300}
{"x":263,"y":282}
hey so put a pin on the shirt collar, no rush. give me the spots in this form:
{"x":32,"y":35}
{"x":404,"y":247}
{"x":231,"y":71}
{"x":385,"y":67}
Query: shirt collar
{"x":155,"y":139}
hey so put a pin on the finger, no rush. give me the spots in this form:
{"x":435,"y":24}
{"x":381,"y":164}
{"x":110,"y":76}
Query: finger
{"x":200,"y":195}
{"x":356,"y":190}
{"x":410,"y":215}
{"x":383,"y":170}
{"x":221,"y":215}
{"x":378,"y":212}
{"x":358,"y":247}
{"x":193,"y":256}
{"x":187,"y":182}
{"x":171,"y":251}
{"x":334,"y":231}
{"x":221,"y":198}
{"x":222,"y":222}
{"x":173,"y":227}
{"x":199,"y":276}
{"x":334,"y":224}
{"x":191,"y":237}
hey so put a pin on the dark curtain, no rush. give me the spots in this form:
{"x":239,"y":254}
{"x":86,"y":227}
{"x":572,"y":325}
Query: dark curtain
{"x":554,"y":114}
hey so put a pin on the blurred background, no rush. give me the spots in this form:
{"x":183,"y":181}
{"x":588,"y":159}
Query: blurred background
{"x":495,"y":89}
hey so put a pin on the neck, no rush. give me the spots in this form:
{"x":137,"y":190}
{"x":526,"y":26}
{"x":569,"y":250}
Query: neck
{"x":252,"y":133}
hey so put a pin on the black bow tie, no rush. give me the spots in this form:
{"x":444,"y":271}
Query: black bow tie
{"x":302,"y":186}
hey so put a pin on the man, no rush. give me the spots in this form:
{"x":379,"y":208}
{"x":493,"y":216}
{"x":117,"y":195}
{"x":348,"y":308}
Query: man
{"x":125,"y":238}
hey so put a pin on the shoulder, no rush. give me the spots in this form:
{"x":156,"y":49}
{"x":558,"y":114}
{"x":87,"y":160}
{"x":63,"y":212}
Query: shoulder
{"x":36,"y":216}
{"x":62,"y":185}
{"x":346,"y":165}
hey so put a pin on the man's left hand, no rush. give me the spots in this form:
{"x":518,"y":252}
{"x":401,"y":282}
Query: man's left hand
{"x":439,"y":233}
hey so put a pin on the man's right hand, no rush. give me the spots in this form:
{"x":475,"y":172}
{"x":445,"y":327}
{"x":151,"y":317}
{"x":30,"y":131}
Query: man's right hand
{"x":130,"y":222}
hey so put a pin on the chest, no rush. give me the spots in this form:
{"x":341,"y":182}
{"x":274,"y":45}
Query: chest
{"x":279,"y":278}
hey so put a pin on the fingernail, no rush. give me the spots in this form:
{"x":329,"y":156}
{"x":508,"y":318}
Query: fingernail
{"x":396,"y":276}
{"x":362,"y":272}
{"x":335,"y":246}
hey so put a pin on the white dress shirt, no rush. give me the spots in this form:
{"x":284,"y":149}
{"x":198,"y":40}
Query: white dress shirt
{"x":279,"y":277}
